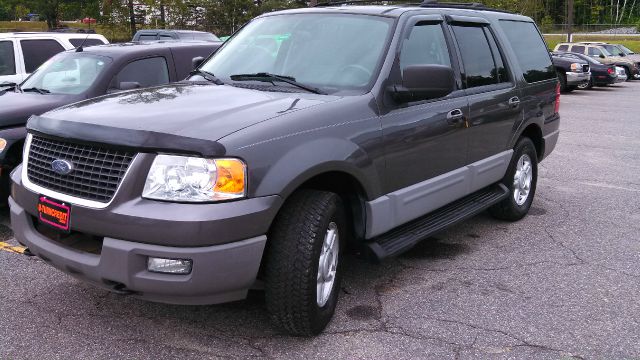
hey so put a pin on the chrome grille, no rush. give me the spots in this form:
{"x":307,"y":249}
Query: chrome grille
{"x":97,"y":170}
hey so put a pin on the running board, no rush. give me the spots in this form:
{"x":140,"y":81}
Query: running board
{"x":404,"y":237}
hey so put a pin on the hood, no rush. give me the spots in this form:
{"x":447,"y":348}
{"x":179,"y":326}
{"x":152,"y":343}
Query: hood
{"x":16,"y":107}
{"x":172,"y":116}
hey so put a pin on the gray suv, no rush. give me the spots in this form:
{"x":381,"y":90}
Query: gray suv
{"x":309,"y":133}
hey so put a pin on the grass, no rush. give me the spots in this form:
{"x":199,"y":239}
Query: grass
{"x":112,"y":33}
{"x":632,"y":42}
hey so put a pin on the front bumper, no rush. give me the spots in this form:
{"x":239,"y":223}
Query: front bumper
{"x":220,"y":273}
{"x":225,"y":241}
{"x":578,"y":78}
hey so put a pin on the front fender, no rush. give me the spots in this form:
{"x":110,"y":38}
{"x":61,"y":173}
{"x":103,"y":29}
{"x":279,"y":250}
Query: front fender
{"x":13,"y":137}
{"x":306,"y":160}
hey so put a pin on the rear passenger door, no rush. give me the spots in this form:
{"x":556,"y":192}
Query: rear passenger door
{"x":494,"y":99}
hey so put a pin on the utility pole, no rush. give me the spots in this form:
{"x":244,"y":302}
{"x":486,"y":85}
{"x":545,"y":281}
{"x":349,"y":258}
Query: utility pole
{"x":569,"y":19}
{"x":132,"y":16}
{"x":162,"y":15}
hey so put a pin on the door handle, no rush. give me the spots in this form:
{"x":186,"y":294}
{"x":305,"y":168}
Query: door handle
{"x":514,"y":101}
{"x":455,"y":117}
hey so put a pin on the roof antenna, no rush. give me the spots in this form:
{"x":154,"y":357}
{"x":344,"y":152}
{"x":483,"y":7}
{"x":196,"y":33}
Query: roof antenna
{"x":79,"y":48}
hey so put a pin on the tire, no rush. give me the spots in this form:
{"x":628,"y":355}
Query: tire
{"x":511,"y":209}
{"x":563,"y":82}
{"x":626,"y":70}
{"x":586,"y":86}
{"x":570,"y":88}
{"x":293,"y":255}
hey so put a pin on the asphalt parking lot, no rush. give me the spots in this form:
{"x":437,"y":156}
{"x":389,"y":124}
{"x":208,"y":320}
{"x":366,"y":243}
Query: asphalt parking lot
{"x":562,"y":283}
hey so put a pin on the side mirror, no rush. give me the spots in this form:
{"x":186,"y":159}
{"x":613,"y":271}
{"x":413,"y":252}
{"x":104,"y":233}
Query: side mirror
{"x":129,"y":85}
{"x":424,"y":82}
{"x":196,"y":61}
{"x":602,"y":56}
{"x":622,"y":54}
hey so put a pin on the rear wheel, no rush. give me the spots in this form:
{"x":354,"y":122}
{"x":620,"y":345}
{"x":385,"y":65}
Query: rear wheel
{"x":303,"y":260}
{"x":521,"y":179}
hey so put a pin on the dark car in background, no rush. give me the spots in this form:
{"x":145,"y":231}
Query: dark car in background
{"x":73,"y":75}
{"x":179,"y":35}
{"x":572,"y":71}
{"x":601,"y":74}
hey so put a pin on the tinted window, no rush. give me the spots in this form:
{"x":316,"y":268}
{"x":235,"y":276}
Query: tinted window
{"x":166,"y":37}
{"x":426,"y":45}
{"x":563,"y":47}
{"x":497,"y":57}
{"x":594,"y":51}
{"x":146,"y":72}
{"x":198,"y":36}
{"x":578,"y":49}
{"x":530,"y":50}
{"x":147,"y":37}
{"x":36,"y":52}
{"x":7,"y":59}
{"x":478,"y":62}
{"x":87,"y":42}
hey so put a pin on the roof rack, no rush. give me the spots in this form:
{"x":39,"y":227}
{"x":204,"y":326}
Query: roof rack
{"x":344,"y":2}
{"x":424,"y":4}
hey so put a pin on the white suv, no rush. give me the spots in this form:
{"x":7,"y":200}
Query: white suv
{"x":22,"y":53}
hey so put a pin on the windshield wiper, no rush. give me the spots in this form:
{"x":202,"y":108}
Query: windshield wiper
{"x":8,"y":85}
{"x":264,"y":76}
{"x":38,"y":90}
{"x":207,"y":75}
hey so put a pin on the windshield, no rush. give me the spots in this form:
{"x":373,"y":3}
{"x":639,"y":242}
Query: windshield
{"x":331,"y":52}
{"x":608,"y":50}
{"x":67,"y":73}
{"x":625,"y":50}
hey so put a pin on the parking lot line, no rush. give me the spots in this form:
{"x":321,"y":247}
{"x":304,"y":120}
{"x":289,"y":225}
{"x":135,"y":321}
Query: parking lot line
{"x":10,"y":248}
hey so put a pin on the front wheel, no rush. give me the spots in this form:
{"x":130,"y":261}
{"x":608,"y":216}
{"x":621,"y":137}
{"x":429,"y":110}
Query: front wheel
{"x":521,"y":180}
{"x":586,"y":86}
{"x":303,"y":261}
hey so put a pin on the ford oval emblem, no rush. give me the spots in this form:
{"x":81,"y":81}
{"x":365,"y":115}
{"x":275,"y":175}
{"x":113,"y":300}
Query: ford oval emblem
{"x":62,"y":167}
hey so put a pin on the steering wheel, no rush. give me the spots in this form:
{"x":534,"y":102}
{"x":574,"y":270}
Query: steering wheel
{"x":358,"y":68}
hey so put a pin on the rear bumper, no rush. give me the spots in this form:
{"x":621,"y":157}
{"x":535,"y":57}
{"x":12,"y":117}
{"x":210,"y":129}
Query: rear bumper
{"x":220,"y":273}
{"x":550,"y":142}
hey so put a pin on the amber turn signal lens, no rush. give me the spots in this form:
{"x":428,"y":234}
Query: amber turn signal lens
{"x":231,"y":176}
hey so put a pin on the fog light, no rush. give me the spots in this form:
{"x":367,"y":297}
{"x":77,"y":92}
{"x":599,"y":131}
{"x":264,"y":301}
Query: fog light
{"x":169,"y":266}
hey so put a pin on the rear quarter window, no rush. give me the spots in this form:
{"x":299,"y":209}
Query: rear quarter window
{"x":563,"y":47}
{"x":530,"y":50}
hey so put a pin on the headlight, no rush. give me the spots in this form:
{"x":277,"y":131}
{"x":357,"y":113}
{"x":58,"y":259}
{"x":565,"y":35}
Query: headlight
{"x":193,"y":179}
{"x":3,"y":144}
{"x":575,"y":67}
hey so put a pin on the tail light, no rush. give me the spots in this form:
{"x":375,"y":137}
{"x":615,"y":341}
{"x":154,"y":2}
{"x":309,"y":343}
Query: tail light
{"x":611,"y":71}
{"x":557,"y":107}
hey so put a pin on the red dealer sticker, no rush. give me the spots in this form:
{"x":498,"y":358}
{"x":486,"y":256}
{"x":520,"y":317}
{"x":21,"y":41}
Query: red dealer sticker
{"x":54,"y":213}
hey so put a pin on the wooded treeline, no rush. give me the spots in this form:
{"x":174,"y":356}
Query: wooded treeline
{"x":225,"y":16}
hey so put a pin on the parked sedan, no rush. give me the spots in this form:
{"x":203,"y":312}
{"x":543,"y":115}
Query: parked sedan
{"x":601,"y":74}
{"x":74,"y":75}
